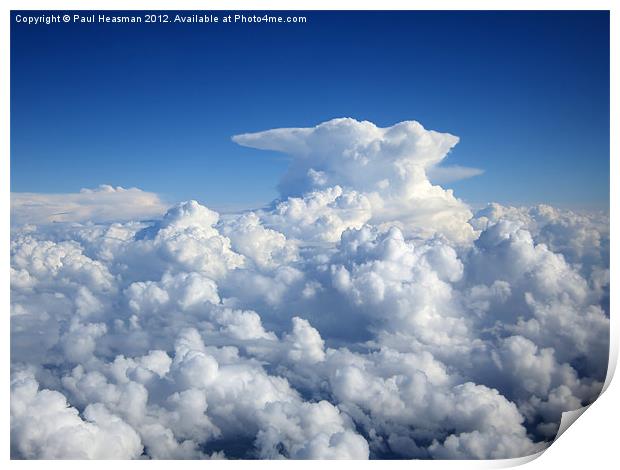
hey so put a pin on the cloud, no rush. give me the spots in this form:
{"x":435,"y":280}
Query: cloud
{"x":449,"y":174}
{"x":345,"y":321}
{"x":103,"y":204}
{"x":44,"y":427}
{"x":266,"y":248}
{"x":322,"y":215}
{"x":387,"y":167}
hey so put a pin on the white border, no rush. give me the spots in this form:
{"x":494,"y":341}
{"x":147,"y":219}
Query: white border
{"x":591,"y":443}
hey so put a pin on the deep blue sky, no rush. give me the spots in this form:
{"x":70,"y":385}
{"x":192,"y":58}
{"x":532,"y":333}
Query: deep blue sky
{"x":155,"y":105}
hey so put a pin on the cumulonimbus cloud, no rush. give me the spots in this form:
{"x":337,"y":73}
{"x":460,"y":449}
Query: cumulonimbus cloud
{"x":368,"y":313}
{"x":384,"y":170}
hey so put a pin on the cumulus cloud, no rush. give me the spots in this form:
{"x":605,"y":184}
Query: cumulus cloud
{"x":43,"y":426}
{"x":367,"y":313}
{"x":103,"y":204}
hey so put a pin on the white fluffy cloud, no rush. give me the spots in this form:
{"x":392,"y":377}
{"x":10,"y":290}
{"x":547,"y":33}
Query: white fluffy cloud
{"x":381,"y":172}
{"x":321,"y":215}
{"x":43,"y":426}
{"x":367,"y":314}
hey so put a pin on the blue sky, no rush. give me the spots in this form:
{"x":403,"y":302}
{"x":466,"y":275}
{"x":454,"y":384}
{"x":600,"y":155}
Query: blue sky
{"x":155,"y":105}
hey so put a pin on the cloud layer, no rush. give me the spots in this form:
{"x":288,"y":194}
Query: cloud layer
{"x":103,"y":204}
{"x":367,"y":314}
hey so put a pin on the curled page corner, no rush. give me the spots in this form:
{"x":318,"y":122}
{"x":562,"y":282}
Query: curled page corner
{"x":613,"y":359}
{"x":568,"y":418}
{"x":517,"y":461}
